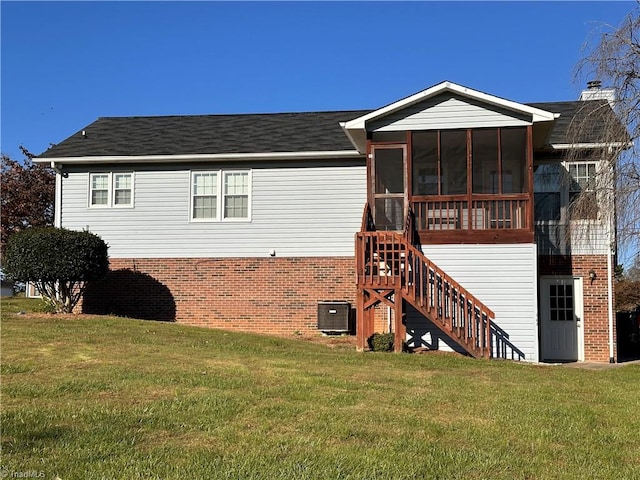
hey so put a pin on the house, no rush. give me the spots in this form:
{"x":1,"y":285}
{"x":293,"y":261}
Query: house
{"x":458,"y":201}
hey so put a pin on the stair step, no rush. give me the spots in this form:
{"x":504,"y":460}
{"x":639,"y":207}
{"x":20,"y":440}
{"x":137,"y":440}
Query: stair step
{"x":422,"y":284}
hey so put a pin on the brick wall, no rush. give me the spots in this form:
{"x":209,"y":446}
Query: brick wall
{"x":596,"y":316}
{"x":280,"y":295}
{"x":266,"y":295}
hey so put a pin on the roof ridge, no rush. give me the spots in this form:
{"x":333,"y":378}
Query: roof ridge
{"x":209,"y":115}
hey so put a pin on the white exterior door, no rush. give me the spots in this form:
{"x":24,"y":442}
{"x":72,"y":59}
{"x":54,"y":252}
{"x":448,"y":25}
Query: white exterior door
{"x":561,"y":314}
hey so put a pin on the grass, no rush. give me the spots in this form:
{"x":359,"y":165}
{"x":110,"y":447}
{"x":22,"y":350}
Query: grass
{"x":103,"y":398}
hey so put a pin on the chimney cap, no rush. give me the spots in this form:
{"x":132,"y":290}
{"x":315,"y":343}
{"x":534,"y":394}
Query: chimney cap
{"x":594,"y":84}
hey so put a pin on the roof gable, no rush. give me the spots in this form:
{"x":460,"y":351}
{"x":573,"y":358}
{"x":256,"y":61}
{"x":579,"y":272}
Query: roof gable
{"x":537,"y":114}
{"x":357,"y":127}
{"x":448,"y":110}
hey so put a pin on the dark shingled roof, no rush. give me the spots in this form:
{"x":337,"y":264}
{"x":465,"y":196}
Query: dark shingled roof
{"x":591,"y":121}
{"x":212,"y":134}
{"x":256,"y":133}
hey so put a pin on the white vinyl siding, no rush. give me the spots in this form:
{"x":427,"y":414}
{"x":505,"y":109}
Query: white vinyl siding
{"x":310,"y":208}
{"x":503,"y":277}
{"x":449,"y":111}
{"x":558,"y":232}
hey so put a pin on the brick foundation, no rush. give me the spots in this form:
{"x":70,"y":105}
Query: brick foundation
{"x":595,"y":298}
{"x":265,"y":295}
{"x":280,"y":295}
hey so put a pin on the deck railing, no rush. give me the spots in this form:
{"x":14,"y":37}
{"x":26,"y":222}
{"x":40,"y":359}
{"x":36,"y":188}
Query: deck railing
{"x":367,"y":224}
{"x":480,"y":212}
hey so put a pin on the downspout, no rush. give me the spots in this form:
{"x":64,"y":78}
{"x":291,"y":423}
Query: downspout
{"x":610,"y":300}
{"x":612,"y":244}
{"x":57,"y":204}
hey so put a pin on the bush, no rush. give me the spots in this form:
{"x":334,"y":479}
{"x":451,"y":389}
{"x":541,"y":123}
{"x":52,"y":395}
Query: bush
{"x":59,"y":262}
{"x":381,"y":342}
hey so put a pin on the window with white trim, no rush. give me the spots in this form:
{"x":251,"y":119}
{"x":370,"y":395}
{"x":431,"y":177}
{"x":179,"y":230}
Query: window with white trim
{"x":99,"y":196}
{"x":582,"y":191}
{"x":220,"y":195}
{"x":205,"y":196}
{"x":111,"y":189}
{"x":236,"y":194}
{"x":122,"y":189}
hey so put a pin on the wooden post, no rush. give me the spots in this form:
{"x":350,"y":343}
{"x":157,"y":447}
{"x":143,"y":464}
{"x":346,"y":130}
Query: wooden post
{"x":370,"y":314}
{"x":360,"y":320}
{"x":399,"y":327}
{"x":488,"y":338}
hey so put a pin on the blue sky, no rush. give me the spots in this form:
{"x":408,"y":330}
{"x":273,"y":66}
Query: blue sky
{"x":64,"y":64}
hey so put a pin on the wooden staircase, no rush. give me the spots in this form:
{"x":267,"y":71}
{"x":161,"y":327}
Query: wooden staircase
{"x":391,"y":270}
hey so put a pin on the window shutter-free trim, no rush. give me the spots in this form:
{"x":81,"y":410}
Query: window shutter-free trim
{"x":220,"y":195}
{"x":111,"y":190}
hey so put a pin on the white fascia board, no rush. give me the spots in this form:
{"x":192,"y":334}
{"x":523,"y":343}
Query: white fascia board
{"x":221,"y":157}
{"x":537,"y":114}
{"x":358,"y":145}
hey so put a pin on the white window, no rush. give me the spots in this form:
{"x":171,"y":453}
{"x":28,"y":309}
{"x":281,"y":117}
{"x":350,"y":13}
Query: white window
{"x":236,"y":195}
{"x":220,"y":195}
{"x":205,"y":196}
{"x":111,"y":190}
{"x":99,"y":196}
{"x":582,"y":191}
{"x":122,"y":190}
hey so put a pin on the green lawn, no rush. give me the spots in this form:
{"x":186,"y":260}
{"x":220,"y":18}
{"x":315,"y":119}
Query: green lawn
{"x":105,"y":398}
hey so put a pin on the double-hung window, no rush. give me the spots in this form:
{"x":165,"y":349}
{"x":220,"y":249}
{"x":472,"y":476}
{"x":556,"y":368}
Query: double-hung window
{"x":220,"y":195}
{"x":122,"y":190}
{"x":582,"y":191}
{"x":205,"y":196}
{"x":99,"y":190}
{"x":111,"y":189}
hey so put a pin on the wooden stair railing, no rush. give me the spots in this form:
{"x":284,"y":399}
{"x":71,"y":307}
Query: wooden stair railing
{"x":390,"y":269}
{"x":367,"y":224}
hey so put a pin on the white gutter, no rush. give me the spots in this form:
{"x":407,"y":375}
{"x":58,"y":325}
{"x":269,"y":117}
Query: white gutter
{"x":219,"y":157}
{"x":569,"y":146}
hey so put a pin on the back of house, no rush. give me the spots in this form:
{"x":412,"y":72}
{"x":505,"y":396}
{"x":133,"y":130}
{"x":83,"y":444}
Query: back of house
{"x":445,"y":217}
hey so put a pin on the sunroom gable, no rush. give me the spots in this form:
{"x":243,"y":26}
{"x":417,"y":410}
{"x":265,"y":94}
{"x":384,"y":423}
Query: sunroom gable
{"x":444,"y":106}
{"x":449,"y":111}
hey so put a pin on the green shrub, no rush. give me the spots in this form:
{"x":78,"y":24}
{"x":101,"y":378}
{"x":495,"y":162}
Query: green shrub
{"x":381,"y":342}
{"x":59,"y":262}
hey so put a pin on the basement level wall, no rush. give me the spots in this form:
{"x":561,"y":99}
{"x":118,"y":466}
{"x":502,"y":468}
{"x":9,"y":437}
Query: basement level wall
{"x":503,"y":277}
{"x":595,"y":298}
{"x":261,"y":295}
